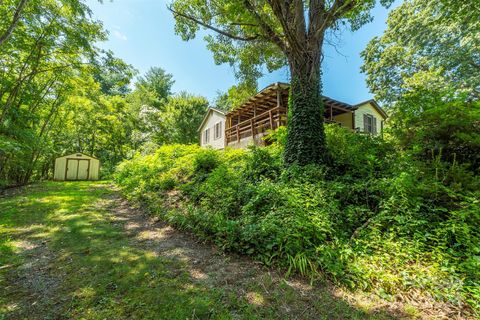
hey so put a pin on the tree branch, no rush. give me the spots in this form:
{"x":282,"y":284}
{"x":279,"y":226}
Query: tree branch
{"x":244,"y":24}
{"x":316,"y":15}
{"x":269,"y":32}
{"x":13,"y":24}
{"x":298,"y":21}
{"x":220,"y":31}
{"x":338,"y":9}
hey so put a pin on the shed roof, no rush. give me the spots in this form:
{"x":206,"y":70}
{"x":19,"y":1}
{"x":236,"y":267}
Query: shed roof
{"x":76,"y":155}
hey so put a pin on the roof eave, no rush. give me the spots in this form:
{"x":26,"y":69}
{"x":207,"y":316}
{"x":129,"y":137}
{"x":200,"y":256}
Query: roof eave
{"x":375,"y":105}
{"x":206,"y":116}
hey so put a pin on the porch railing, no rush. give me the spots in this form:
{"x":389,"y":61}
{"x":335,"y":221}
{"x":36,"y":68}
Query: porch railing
{"x":271,"y":119}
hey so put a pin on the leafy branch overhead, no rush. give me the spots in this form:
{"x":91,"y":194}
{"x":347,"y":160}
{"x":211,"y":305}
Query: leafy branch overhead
{"x":284,"y":27}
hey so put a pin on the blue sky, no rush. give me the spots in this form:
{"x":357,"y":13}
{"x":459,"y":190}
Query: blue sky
{"x":141,"y":32}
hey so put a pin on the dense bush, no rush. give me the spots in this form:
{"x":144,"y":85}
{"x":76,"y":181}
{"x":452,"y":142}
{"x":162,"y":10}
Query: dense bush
{"x":445,"y":128}
{"x":373,"y":219}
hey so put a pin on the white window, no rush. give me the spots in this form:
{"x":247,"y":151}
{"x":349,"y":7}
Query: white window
{"x":218,"y":130}
{"x":369,"y":124}
{"x":206,"y":136}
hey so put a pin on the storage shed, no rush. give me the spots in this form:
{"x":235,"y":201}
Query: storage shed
{"x":77,"y":166}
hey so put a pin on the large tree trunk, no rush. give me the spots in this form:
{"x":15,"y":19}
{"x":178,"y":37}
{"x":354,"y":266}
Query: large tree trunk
{"x":306,"y":136}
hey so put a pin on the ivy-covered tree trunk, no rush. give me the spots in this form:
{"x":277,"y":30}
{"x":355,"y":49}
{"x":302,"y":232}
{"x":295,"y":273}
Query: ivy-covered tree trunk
{"x":306,"y":136}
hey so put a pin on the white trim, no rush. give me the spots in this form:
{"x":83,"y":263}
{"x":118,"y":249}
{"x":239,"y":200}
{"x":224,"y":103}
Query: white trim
{"x":206,"y":117}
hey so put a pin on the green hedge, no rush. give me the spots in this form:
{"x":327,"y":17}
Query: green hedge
{"x":373,"y":219}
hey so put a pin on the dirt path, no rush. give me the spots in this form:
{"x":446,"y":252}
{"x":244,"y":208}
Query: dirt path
{"x":82,"y":251}
{"x":240,"y":276}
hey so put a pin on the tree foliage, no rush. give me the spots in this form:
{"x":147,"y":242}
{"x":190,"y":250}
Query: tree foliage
{"x":424,"y":46}
{"x":156,"y":86}
{"x":426,"y":68}
{"x":236,"y":95}
{"x":184,"y":114}
{"x":163,"y":117}
{"x":41,"y":62}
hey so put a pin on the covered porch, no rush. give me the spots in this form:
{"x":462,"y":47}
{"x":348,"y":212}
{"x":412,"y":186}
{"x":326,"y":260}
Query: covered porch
{"x":268,"y":110}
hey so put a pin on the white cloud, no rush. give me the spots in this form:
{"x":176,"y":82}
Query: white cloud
{"x":119,"y":35}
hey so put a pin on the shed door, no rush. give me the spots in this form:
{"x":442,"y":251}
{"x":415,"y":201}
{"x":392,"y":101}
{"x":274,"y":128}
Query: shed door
{"x":77,"y":169}
{"x":83,"y":168}
{"x":72,"y":168}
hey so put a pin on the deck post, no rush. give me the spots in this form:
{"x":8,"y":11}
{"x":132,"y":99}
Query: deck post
{"x":271,"y":118}
{"x":238,"y":133}
{"x":252,"y":128}
{"x":279,"y":98}
{"x":225,"y":130}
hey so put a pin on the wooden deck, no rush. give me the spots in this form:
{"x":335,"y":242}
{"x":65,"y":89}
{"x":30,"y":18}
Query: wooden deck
{"x":267,"y":110}
{"x":259,"y":124}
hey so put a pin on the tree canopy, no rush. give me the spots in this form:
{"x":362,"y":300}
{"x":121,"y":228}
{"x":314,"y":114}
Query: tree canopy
{"x":426,"y":45}
{"x":236,"y":95}
{"x":425,"y":67}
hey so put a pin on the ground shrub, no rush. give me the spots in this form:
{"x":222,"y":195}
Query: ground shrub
{"x":374,"y":219}
{"x":205,"y":161}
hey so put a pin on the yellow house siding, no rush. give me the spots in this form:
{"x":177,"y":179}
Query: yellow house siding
{"x":367,"y":109}
{"x":345,"y":119}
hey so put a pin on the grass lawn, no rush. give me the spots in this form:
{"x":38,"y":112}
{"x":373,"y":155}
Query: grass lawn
{"x":77,"y":250}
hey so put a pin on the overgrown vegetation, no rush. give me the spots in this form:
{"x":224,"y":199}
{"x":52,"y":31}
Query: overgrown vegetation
{"x":396,"y":215}
{"x":374,"y":219}
{"x":76,"y":250}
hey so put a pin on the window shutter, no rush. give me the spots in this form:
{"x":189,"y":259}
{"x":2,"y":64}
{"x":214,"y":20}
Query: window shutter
{"x":219,"y":129}
{"x":365,"y":123}
{"x":374,"y":125}
{"x":207,"y":135}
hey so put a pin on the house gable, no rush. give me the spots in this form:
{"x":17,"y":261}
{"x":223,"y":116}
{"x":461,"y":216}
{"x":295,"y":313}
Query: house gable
{"x":212,"y":129}
{"x":208,"y":115}
{"x":369,"y":110}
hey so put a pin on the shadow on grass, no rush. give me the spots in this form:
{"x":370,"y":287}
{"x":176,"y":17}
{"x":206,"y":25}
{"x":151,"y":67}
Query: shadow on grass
{"x":77,"y":250}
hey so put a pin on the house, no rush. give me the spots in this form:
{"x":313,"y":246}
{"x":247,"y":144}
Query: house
{"x":266,"y":110}
{"x":77,"y":166}
{"x":212,"y":129}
